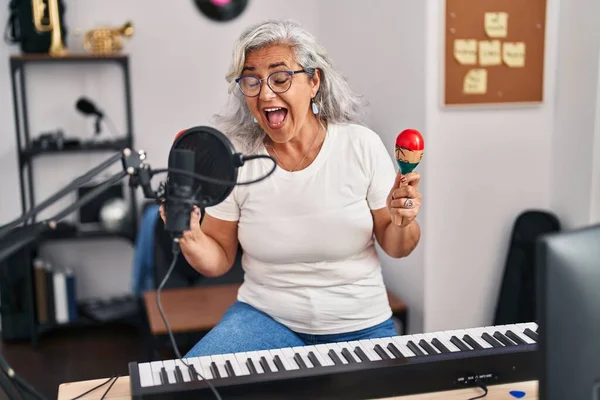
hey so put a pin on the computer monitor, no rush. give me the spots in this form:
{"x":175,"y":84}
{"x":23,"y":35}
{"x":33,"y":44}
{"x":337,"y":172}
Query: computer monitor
{"x":568,"y":272}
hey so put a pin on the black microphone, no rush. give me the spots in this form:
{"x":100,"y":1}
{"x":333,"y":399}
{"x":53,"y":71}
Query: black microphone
{"x":87,"y":107}
{"x":179,"y":190}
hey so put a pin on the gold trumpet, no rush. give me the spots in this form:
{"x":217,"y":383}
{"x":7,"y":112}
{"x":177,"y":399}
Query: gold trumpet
{"x":107,"y":40}
{"x":57,"y":47}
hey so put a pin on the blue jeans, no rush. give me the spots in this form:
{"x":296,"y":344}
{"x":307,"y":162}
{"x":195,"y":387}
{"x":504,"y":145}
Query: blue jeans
{"x":244,"y":328}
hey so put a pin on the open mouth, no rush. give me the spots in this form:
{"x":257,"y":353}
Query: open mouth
{"x":275,"y":116}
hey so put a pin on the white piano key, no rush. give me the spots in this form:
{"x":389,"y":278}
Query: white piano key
{"x":156,"y":366}
{"x":184,"y":369}
{"x":256,"y":361}
{"x":282,"y":357}
{"x":401,"y":342}
{"x":269,"y":358}
{"x":367,"y":347}
{"x":338,"y":351}
{"x":195,"y":362}
{"x":220,"y":362}
{"x":324,"y":361}
{"x":170,"y":368}
{"x":324,"y":350}
{"x":205,"y":362}
{"x":241,"y":358}
{"x":304,"y":355}
{"x":476,"y":333}
{"x":145,"y":372}
{"x":234,"y":363}
{"x":345,"y":345}
{"x":288,"y":353}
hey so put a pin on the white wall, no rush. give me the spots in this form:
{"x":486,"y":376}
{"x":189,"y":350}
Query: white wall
{"x":381,"y":52}
{"x":575,"y":171}
{"x":485,"y":166}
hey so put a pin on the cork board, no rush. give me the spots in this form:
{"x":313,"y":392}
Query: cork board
{"x":494,"y":51}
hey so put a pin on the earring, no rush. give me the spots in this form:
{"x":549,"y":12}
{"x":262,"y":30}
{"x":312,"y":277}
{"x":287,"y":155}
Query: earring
{"x":255,"y":120}
{"x":315,"y":108}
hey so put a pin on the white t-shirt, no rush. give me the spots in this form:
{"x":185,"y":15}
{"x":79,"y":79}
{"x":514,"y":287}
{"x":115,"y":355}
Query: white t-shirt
{"x":307,"y":236}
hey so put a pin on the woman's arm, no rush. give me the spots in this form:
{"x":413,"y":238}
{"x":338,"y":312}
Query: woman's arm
{"x":209,"y":248}
{"x":397,"y":241}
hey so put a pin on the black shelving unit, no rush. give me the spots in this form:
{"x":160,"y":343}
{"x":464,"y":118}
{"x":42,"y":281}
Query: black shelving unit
{"x":27,"y":152}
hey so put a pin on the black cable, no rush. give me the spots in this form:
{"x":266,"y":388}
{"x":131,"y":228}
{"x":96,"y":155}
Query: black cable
{"x":109,"y":387}
{"x":484,"y":388}
{"x":176,"y":252}
{"x":8,"y":386}
{"x":18,"y":384}
{"x":95,"y":387}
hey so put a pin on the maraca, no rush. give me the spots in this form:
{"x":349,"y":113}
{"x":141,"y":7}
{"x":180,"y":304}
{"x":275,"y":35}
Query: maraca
{"x":409,"y":150}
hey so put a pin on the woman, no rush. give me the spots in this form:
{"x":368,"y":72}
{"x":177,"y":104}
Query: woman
{"x":312,"y":274}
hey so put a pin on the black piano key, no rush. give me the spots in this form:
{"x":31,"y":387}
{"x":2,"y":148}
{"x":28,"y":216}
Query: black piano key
{"x":361,"y":354}
{"x":459,"y":343}
{"x":313,"y":359}
{"x":229,"y":368}
{"x":178,"y":375}
{"x":486,"y":336}
{"x":251,"y":367}
{"x":334,"y":357}
{"x":427,"y":347}
{"x":439,"y":345}
{"x":395,"y":351}
{"x":265,"y":365}
{"x":381,"y":352}
{"x":533,"y":335}
{"x":164,"y":378}
{"x":215,"y":370}
{"x":300,"y":361}
{"x":513,"y":336}
{"x":503,"y":339}
{"x":472,"y":342}
{"x":348,"y":356}
{"x":278,"y":363}
{"x":414,"y":348}
{"x":193,"y":373}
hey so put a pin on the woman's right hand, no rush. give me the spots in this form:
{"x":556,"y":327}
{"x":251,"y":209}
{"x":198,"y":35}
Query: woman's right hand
{"x":191,"y":238}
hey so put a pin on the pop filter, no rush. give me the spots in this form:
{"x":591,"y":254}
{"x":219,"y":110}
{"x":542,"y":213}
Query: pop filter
{"x":214,"y":156}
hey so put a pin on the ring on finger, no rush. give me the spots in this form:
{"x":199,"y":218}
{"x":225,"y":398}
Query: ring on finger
{"x":408,"y":203}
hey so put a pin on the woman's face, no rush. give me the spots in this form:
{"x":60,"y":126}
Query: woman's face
{"x":281,"y":115}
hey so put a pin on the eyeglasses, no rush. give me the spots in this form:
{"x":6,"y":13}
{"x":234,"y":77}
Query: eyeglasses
{"x":279,"y":82}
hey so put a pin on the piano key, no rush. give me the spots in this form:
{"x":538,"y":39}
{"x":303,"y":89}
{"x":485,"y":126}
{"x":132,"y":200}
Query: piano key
{"x":220,"y":363}
{"x":229,"y":368}
{"x":164,"y":379}
{"x":367,"y":346}
{"x":156,"y":367}
{"x":468,"y":339}
{"x":533,"y":335}
{"x":381,"y":352}
{"x":241,"y":358}
{"x":281,"y":357}
{"x":361,"y":354}
{"x":269,"y":358}
{"x":299,"y":361}
{"x":334,"y":357}
{"x":194,"y":374}
{"x":145,"y":371}
{"x":185,"y":373}
{"x":383,"y":345}
{"x":205,"y":362}
{"x":513,"y":336}
{"x":503,"y":339}
{"x":324,"y":361}
{"x":414,"y":348}
{"x":518,"y":331}
{"x":288,"y":353}
{"x":214,"y":370}
{"x":338,"y":351}
{"x":251,"y":367}
{"x":439,"y":345}
{"x":178,"y":374}
{"x":427,"y":347}
{"x":301,"y":351}
{"x":476,"y":334}
{"x":234,"y":364}
{"x":401,"y":344}
{"x":486,"y":336}
{"x":265,"y":365}
{"x":169,"y":366}
{"x":391,"y":347}
{"x":313,"y":358}
{"x":348,"y":356}
{"x":459,"y":343}
{"x":445,"y":340}
{"x":256,"y":361}
{"x":277,"y":361}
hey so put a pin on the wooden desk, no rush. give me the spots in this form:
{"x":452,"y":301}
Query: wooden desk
{"x":200,"y":308}
{"x":120,"y":390}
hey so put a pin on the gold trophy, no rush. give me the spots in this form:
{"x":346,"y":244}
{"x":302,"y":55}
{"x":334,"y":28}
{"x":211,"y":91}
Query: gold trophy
{"x":107,"y":40}
{"x":52,"y":23}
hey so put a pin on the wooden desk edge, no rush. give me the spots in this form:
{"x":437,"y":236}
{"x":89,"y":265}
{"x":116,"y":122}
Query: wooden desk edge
{"x":121,"y":391}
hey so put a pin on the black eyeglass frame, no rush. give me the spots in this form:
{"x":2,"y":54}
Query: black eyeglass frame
{"x":260,"y":81}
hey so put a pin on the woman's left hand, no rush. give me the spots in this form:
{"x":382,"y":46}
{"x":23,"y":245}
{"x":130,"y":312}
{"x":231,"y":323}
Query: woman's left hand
{"x":404,"y":200}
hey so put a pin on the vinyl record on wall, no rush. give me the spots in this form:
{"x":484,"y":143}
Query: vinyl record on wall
{"x":221,"y":10}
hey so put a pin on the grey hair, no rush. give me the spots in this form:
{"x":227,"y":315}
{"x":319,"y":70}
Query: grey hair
{"x":336,"y":101}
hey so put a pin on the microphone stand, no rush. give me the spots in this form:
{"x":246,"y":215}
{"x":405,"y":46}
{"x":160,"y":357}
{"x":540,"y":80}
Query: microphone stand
{"x":139,"y":174}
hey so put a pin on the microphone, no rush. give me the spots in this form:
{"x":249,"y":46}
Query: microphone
{"x":85,"y":106}
{"x":179,"y":192}
{"x":409,"y":150}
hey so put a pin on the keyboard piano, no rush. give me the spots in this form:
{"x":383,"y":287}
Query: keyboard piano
{"x":375,"y":368}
